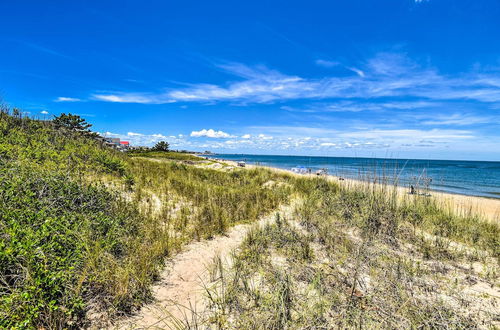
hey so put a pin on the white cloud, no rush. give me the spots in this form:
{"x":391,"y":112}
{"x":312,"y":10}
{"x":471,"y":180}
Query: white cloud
{"x":133,"y":98}
{"x":265,"y":137}
{"x":459,"y":120}
{"x":332,"y":64}
{"x":312,"y":140}
{"x":315,"y":139}
{"x":357,"y":71}
{"x":67,"y":99}
{"x":384,"y":75}
{"x":441,"y":134}
{"x":356,"y":106}
{"x":210,"y":133}
{"x":140,"y":139}
{"x":295,"y":131}
{"x":44,"y":112}
{"x":134,"y":134}
{"x":326,"y":63}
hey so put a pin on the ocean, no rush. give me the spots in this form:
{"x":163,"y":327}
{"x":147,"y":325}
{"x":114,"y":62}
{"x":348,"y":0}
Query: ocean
{"x":474,"y":178}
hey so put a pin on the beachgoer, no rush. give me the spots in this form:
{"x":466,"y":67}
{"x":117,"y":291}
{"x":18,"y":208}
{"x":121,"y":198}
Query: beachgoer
{"x":412,"y":190}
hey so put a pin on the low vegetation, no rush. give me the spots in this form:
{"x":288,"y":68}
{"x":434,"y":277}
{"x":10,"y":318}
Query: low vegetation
{"x":86,"y":229}
{"x":172,"y":155}
{"x":360,"y":259}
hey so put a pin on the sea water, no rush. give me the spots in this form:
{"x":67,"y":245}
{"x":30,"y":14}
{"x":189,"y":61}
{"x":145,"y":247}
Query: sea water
{"x":475,"y":178}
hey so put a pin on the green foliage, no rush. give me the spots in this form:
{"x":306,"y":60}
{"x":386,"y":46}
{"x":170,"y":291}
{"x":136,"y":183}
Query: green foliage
{"x":80,"y":227}
{"x":111,"y":164}
{"x":161,"y":146}
{"x":381,"y":213}
{"x":86,"y":228}
{"x":37,"y":144}
{"x":165,"y":155}
{"x":73,"y":123}
{"x":47,"y":222}
{"x":53,"y":223}
{"x":220,"y":198}
{"x":352,"y":280}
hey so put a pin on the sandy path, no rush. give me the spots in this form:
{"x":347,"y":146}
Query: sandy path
{"x":180,"y":288}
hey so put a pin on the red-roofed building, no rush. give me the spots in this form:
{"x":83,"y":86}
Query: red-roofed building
{"x":116,"y":143}
{"x":124,"y":145}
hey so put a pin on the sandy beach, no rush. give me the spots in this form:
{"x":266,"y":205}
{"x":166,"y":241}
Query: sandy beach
{"x":487,"y":208}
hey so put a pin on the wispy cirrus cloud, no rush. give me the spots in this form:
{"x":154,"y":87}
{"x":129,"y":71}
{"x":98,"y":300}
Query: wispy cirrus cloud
{"x":327,"y":63}
{"x":413,"y":134}
{"x":133,"y":98}
{"x":332,"y":64}
{"x":356,"y":71}
{"x":375,"y":135}
{"x":385,"y":75}
{"x":356,"y":106}
{"x":42,"y":49}
{"x":67,"y":99}
{"x":459,"y":119}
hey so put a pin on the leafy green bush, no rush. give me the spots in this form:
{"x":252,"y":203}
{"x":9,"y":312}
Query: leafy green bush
{"x":47,"y":222}
{"x":54,"y":223}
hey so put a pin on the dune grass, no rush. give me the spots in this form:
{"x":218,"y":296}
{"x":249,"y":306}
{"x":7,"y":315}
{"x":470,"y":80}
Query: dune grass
{"x":165,"y":155}
{"x":359,"y":258}
{"x":85,"y":231}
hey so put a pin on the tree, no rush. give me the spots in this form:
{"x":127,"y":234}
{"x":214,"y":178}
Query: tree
{"x":161,"y":146}
{"x":73,"y":123}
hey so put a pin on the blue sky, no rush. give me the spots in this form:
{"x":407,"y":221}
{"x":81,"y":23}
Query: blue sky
{"x":399,"y":78}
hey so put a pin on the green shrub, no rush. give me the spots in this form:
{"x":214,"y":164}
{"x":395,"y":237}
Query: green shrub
{"x":47,"y":221}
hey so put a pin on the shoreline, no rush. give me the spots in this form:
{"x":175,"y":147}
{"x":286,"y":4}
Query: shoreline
{"x":484,"y":207}
{"x":439,"y":186}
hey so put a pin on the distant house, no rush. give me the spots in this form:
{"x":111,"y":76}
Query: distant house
{"x":112,"y":142}
{"x":123,"y":146}
{"x":116,"y":143}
